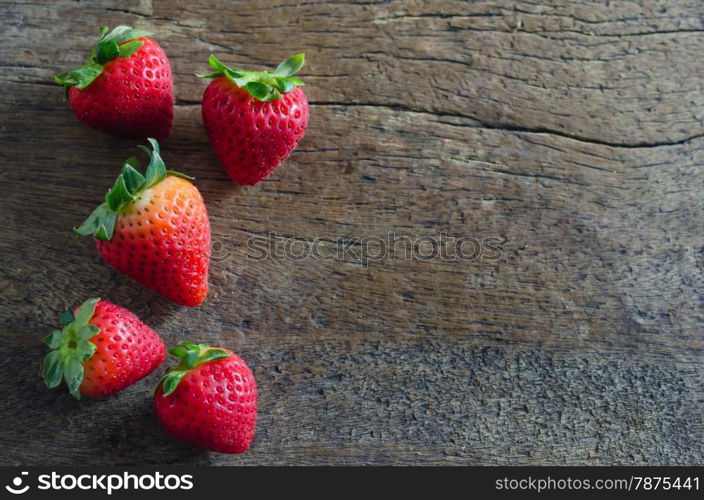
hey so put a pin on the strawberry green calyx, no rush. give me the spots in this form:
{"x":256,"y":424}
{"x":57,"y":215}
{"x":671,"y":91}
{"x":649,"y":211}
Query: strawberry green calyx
{"x":70,"y":348}
{"x":122,"y":42}
{"x":263,"y":85}
{"x":191,"y":356}
{"x":129,"y":184}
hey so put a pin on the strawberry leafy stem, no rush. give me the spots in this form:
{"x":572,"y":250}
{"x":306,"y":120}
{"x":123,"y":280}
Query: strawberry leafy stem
{"x":70,"y":348}
{"x":191,"y":356}
{"x":122,"y":41}
{"x":128,"y":186}
{"x":263,"y":85}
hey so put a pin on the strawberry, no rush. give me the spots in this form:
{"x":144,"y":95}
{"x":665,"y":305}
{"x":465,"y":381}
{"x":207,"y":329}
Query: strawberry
{"x":125,"y":87}
{"x":101,"y":350}
{"x":154,"y":228}
{"x":254,"y":119}
{"x":209,"y":400}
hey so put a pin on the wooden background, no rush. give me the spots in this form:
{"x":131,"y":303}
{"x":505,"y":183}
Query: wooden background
{"x":572,"y":131}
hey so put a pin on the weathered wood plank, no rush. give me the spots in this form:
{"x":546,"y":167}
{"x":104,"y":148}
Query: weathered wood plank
{"x":571,"y":132}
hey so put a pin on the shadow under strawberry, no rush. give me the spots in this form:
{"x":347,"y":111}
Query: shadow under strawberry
{"x":138,"y":439}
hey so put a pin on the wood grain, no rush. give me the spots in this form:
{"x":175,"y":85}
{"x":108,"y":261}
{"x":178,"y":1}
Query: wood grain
{"x":571,"y":132}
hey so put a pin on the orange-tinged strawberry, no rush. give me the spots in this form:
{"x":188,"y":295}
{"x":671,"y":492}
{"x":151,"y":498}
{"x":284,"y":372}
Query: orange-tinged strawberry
{"x":154,"y":228}
{"x":101,"y":349}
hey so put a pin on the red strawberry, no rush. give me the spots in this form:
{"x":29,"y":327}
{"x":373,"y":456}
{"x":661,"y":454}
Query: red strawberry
{"x":155,"y":229}
{"x":254,"y":119}
{"x":101,"y":350}
{"x":209,"y":400}
{"x":125,"y":87}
